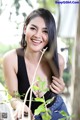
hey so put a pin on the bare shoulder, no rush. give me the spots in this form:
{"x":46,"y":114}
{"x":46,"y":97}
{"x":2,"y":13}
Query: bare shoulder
{"x":61,"y":60}
{"x":10,"y":55}
{"x":10,"y":59}
{"x":61,"y":64}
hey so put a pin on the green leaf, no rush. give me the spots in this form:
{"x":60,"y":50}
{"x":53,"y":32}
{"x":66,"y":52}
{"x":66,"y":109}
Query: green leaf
{"x":38,"y":78}
{"x":45,"y":90}
{"x":49,"y":100}
{"x":40,"y":109}
{"x":41,"y":84}
{"x":16,"y":94}
{"x":40,"y":100}
{"x":63,"y":113}
{"x":49,"y":111}
{"x":46,"y":116}
{"x":35,"y":88}
{"x":9,"y":97}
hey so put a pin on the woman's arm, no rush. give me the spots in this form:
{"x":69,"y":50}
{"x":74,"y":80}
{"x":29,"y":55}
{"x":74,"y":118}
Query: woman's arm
{"x":10,"y":70}
{"x":58,"y":85}
{"x":61,"y":64}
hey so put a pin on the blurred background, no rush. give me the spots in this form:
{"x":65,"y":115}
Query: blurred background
{"x":67,"y":17}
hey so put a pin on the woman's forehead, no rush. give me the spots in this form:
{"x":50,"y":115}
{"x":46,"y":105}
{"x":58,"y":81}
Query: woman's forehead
{"x":38,"y":21}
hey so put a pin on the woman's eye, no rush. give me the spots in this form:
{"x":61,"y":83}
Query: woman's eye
{"x":32,"y":28}
{"x":45,"y":31}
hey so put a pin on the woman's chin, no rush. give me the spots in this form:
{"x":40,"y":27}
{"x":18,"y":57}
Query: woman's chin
{"x":36,"y":49}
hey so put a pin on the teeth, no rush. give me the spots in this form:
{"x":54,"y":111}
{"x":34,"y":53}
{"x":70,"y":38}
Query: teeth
{"x":36,"y":41}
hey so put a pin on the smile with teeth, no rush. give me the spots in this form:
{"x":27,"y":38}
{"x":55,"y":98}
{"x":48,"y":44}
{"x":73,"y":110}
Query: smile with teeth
{"x":37,"y":41}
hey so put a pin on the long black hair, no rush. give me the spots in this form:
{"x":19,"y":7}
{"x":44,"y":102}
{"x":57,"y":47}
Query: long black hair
{"x":51,"y":27}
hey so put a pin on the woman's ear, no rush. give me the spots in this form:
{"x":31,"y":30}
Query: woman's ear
{"x":24,"y":29}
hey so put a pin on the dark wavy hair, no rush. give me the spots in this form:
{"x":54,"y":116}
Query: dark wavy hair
{"x":51,"y":27}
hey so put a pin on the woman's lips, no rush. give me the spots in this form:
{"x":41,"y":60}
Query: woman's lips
{"x":36,"y":42}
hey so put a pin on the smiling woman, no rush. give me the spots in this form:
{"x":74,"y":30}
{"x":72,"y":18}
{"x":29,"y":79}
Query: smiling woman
{"x":36,"y":34}
{"x":39,"y":32}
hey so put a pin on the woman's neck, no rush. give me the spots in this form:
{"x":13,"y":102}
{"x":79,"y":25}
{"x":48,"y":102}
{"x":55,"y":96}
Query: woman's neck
{"x":33,"y":57}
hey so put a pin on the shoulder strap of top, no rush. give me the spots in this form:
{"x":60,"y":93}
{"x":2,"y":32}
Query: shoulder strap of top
{"x":23,"y":82}
{"x":20,"y":52}
{"x":20,"y":56}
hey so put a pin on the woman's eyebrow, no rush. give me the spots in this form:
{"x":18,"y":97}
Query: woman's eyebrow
{"x":34,"y":25}
{"x":45,"y":28}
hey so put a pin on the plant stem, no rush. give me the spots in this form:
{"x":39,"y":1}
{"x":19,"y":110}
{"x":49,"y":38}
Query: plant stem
{"x":29,"y":117}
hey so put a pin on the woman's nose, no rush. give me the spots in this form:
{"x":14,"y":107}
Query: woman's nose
{"x":38,"y":34}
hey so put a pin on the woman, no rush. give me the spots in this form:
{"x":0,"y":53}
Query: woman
{"x":39,"y":32}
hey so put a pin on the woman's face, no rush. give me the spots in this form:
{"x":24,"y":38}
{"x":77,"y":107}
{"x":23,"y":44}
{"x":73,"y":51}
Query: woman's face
{"x":36,"y":34}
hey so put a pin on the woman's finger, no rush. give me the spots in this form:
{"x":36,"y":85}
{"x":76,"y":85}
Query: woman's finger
{"x":59,"y":83}
{"x":58,"y":89}
{"x":54,"y":90}
{"x":15,"y":114}
{"x":19,"y":115}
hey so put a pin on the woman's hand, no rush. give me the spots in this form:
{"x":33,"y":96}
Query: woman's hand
{"x":18,"y":111}
{"x":57,"y":85}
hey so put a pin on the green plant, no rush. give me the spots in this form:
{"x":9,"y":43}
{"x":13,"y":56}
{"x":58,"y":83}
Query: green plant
{"x":42,"y":109}
{"x":46,"y":113}
{"x":65,"y":115}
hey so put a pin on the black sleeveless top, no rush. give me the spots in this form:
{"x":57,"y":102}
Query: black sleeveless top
{"x":23,"y":82}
